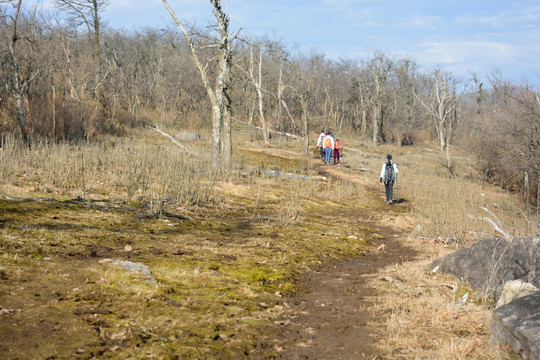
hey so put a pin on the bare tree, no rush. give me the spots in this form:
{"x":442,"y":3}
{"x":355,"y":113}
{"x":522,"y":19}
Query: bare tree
{"x":257,"y":83}
{"x":478,"y":84}
{"x":258,"y":86}
{"x":218,"y":92}
{"x":304,"y":87}
{"x":17,"y":84}
{"x":403,"y":117}
{"x":280,"y":56}
{"x":441,"y":102}
{"x":508,"y":138}
{"x":280,"y":86}
{"x":379,"y":67}
{"x":359,"y":97}
{"x":88,"y":12}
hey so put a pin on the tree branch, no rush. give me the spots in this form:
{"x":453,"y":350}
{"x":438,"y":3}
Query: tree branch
{"x":155,"y":128}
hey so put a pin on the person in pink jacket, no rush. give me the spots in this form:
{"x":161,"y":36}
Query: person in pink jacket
{"x":320,"y":140}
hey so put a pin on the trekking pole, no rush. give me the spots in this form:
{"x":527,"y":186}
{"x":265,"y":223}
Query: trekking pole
{"x":397,"y":188}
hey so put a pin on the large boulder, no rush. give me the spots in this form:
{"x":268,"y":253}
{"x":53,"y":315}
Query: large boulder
{"x":518,"y":325}
{"x":489,"y":264}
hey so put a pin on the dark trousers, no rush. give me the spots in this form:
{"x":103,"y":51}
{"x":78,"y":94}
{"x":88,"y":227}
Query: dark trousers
{"x":336,"y":156}
{"x":389,"y":190}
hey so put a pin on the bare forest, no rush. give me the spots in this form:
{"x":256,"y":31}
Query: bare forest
{"x":68,"y":77}
{"x":162,"y":196}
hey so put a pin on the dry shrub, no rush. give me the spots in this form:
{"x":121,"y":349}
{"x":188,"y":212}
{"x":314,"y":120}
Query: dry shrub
{"x":506,"y":139}
{"x":290,"y":207}
{"x":120,"y":168}
{"x":450,"y":206}
{"x":428,"y":319}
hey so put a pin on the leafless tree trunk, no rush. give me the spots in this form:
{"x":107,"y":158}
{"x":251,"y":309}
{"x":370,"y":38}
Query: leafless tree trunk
{"x":441,"y":106}
{"x":303,"y":99}
{"x":251,"y":111}
{"x":88,"y":12}
{"x":305,"y":122}
{"x":279,"y":94}
{"x":479,"y":92}
{"x":63,"y":37}
{"x":17,"y":87}
{"x":257,"y":82}
{"x":291,"y":118}
{"x":218,"y":94}
{"x":380,"y":68}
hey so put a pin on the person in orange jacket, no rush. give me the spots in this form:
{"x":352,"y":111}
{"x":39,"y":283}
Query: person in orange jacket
{"x":337,"y":151}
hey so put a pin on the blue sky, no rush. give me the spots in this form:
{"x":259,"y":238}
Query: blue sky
{"x":459,"y":36}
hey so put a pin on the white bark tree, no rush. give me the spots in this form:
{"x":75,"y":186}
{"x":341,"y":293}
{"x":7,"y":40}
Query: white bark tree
{"x":256,"y":81}
{"x":221,"y":148}
{"x":441,"y":103}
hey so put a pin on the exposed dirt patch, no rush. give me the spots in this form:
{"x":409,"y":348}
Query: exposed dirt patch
{"x":221,"y":276}
{"x":330,"y":317}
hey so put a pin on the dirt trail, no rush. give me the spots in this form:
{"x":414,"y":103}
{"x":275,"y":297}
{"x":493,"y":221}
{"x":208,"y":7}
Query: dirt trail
{"x":329,"y":318}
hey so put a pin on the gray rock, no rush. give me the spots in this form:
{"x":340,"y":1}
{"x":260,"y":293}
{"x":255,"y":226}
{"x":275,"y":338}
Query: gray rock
{"x":133,"y":267}
{"x":489,"y":264}
{"x":518,"y":325}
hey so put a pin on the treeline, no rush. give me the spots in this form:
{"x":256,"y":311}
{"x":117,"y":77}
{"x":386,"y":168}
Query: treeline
{"x":67,"y":77}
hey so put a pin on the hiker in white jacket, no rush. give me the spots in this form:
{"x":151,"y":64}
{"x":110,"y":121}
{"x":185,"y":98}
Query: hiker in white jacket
{"x":320,"y":139}
{"x":388,"y":176}
{"x":328,"y":145}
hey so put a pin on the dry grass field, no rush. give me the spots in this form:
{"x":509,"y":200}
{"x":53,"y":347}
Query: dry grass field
{"x":227,"y":252}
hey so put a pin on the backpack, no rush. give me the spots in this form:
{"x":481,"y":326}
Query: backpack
{"x":389,"y":172}
{"x":337,"y":145}
{"x":327,"y":142}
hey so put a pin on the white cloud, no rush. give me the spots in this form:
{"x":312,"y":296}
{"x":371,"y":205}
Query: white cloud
{"x":460,"y":57}
{"x":494,"y":21}
{"x":465,"y":51}
{"x":423,"y":21}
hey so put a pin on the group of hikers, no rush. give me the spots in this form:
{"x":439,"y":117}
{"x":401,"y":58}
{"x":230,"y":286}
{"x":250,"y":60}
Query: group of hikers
{"x":328,"y":145}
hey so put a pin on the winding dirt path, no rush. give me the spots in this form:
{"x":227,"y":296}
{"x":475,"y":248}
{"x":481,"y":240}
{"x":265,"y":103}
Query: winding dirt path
{"x":329,"y":318}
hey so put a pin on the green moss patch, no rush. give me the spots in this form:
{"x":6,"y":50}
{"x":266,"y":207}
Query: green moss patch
{"x":221,"y":278}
